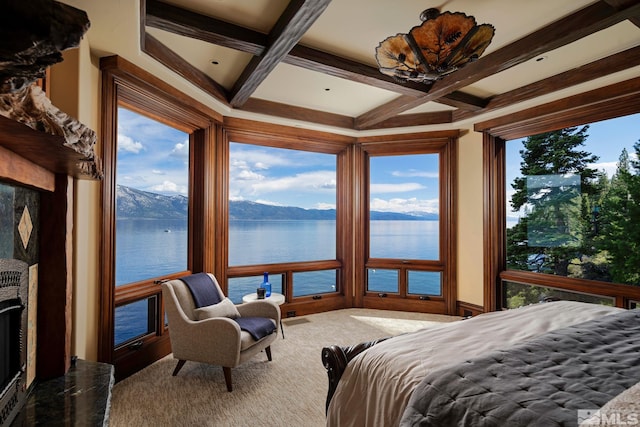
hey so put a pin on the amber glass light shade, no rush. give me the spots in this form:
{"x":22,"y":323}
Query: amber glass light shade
{"x":442,"y":44}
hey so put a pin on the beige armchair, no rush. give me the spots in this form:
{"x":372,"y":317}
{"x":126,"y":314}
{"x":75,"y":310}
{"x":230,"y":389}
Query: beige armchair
{"x":217,"y":340}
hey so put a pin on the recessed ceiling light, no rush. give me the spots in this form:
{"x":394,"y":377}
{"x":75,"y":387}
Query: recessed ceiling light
{"x":541,"y":58}
{"x":214,"y":62}
{"x":327,"y":89}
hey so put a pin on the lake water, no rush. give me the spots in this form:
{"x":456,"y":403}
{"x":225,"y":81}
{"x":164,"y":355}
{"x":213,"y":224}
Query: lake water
{"x":153,"y":248}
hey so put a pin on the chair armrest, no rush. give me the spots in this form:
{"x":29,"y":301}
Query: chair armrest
{"x":260,"y":309}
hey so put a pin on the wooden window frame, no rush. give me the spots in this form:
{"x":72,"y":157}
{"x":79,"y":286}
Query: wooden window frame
{"x":608,"y":102}
{"x":258,"y":133}
{"x":443,"y":143}
{"x":126,"y":85}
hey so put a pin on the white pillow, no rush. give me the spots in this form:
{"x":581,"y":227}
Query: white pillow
{"x":225,"y":308}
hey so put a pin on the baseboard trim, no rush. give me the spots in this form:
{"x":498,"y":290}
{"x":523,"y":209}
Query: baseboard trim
{"x":467,"y":309}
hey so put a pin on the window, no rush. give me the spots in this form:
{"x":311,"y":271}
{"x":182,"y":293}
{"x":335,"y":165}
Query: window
{"x":283,"y":217}
{"x":573,"y":194}
{"x":404,"y":206}
{"x":578,"y":230}
{"x":154,"y":150}
{"x":408,"y":263}
{"x":152,"y":182}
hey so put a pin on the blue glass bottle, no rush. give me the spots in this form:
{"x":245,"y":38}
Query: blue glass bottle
{"x":266,"y":285}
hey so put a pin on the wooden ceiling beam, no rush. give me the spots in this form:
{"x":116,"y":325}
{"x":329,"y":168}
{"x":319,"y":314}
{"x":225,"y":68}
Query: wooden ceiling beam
{"x":183,"y":22}
{"x":624,"y":3}
{"x":616,"y":100}
{"x":417,"y":119}
{"x":292,"y":112}
{"x":313,"y":59}
{"x":596,"y":69}
{"x":161,"y":53}
{"x":582,"y":23}
{"x":464,"y":101}
{"x":177,"y":20}
{"x":291,"y":26}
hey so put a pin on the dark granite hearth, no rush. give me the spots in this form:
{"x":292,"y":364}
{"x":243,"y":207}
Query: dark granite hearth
{"x":81,"y":397}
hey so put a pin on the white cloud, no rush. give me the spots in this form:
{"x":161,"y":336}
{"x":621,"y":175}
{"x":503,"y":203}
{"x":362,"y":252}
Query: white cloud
{"x":180,"y":150}
{"x":158,"y":172}
{"x":169,"y":187}
{"x":126,"y":143}
{"x":315,"y":180}
{"x":133,"y":179}
{"x":325,"y":206}
{"x":608,"y":167}
{"x":269,"y":202}
{"x":259,"y":159}
{"x":416,"y":173}
{"x":248,"y":175}
{"x":404,"y":205}
{"x":395,"y":188}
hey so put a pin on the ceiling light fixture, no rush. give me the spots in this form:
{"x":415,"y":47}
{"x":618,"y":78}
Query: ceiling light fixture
{"x":442,"y":44}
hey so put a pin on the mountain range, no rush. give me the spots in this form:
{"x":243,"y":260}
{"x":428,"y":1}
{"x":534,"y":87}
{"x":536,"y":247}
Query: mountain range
{"x":133,"y":203}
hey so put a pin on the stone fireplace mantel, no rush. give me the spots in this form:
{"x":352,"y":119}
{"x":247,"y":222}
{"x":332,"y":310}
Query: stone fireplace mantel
{"x":42,"y":150}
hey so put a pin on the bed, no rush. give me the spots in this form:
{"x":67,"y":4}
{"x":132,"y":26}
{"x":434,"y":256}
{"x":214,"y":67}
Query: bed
{"x":535,"y":365}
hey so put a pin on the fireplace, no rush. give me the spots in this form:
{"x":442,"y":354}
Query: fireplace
{"x":14,"y":287}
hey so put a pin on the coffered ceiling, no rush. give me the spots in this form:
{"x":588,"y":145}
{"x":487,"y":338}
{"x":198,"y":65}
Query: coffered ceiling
{"x":312,"y":63}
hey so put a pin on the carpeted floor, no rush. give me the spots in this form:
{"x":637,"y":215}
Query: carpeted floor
{"x":289,"y":391}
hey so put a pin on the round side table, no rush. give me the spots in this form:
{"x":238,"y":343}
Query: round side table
{"x":275,"y":298}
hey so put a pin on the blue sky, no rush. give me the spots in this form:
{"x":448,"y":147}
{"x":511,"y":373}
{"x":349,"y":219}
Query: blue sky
{"x":606,"y":139}
{"x":154,"y":157}
{"x":151,"y":156}
{"x":286,"y":177}
{"x":282,"y":177}
{"x":407,"y":183}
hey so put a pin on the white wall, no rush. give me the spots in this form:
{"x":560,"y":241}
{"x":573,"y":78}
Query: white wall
{"x":470,"y":236}
{"x":75,"y":89}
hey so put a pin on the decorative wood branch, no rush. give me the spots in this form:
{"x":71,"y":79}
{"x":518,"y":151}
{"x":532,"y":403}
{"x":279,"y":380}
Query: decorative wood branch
{"x":31,"y":107}
{"x":33,"y":34}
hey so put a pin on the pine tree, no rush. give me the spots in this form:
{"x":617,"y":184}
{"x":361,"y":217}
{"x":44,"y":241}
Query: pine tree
{"x":620,"y":215}
{"x":557,"y":187}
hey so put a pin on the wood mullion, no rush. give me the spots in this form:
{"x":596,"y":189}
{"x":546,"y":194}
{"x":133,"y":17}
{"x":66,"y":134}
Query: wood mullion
{"x":360,"y":177}
{"x":494,"y":223}
{"x":592,"y":287}
{"x":220,"y":200}
{"x":280,"y":268}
